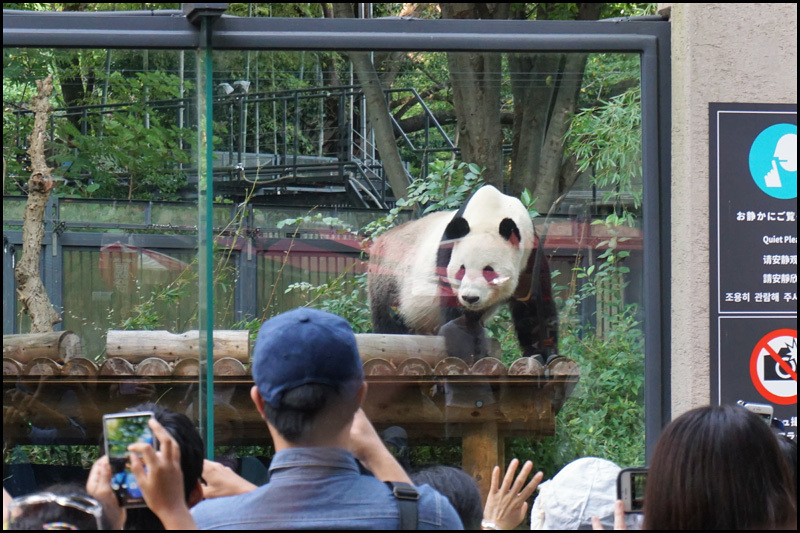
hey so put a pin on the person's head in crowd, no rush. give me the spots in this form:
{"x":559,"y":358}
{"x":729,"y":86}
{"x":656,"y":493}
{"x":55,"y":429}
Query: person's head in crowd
{"x":718,"y":467}
{"x":309,"y":380}
{"x":584,"y":488}
{"x":62,"y":506}
{"x":458,"y":487}
{"x":192,"y":455}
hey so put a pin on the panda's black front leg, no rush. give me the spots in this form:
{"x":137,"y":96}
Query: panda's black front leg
{"x":536,"y":324}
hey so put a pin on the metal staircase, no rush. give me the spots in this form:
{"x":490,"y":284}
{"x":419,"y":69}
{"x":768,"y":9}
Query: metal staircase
{"x":301,"y":147}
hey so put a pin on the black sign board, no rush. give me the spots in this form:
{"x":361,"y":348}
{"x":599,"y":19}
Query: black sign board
{"x":753,"y":249}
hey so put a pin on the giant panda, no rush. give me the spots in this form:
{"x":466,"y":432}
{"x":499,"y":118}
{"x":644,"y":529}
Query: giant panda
{"x":458,"y":267}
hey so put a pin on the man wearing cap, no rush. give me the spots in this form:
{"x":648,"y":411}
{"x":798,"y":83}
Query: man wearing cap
{"x":309,"y":386}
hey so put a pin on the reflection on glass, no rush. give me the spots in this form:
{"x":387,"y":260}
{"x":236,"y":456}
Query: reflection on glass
{"x":303,"y":142}
{"x":120,"y":148}
{"x":302,"y":190}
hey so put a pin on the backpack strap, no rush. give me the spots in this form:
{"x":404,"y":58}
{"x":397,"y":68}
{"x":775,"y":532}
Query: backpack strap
{"x":407,"y":498}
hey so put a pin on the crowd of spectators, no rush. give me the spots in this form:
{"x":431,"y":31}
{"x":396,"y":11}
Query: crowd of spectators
{"x":713,"y":467}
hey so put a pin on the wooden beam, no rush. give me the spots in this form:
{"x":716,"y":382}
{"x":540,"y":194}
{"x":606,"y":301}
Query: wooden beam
{"x":135,"y":346}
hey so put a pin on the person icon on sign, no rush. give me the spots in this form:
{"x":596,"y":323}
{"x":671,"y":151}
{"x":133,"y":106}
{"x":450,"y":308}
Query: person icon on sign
{"x":786,"y":155}
{"x":773,"y":161}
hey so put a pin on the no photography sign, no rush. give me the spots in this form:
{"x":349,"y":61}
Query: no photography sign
{"x":773,"y":366}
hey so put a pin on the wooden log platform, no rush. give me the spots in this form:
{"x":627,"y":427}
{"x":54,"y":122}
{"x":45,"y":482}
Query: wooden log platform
{"x":411,"y":383}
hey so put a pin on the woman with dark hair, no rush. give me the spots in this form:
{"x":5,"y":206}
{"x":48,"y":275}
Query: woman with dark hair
{"x":719,"y":468}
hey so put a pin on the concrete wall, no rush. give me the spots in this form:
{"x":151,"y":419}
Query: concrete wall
{"x":720,"y":53}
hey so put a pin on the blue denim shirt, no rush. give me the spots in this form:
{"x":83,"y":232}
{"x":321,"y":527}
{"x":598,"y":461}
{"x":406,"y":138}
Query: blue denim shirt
{"x":320,"y":488}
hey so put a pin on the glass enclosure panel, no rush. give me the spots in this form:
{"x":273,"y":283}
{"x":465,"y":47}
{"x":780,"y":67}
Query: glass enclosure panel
{"x":118,"y":259}
{"x":305,"y":147}
{"x":311,"y":165}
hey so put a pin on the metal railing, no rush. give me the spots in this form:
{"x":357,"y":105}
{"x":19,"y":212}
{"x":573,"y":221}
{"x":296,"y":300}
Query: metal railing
{"x":273,"y":142}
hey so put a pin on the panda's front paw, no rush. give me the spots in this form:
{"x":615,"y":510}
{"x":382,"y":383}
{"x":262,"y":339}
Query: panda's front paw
{"x":553,"y":357}
{"x":539,"y":357}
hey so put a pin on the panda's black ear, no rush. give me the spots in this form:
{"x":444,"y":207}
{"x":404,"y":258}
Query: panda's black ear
{"x":510,"y":232}
{"x":457,"y":228}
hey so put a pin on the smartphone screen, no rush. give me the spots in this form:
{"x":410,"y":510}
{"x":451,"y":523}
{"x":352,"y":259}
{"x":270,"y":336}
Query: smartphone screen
{"x":631,"y":484}
{"x":121,"y":430}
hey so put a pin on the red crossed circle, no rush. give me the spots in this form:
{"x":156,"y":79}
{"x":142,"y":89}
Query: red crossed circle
{"x":763,"y":344}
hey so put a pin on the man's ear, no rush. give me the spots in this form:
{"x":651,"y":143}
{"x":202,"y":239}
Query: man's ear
{"x":362,"y":393}
{"x":258,"y":401}
{"x":196,"y":496}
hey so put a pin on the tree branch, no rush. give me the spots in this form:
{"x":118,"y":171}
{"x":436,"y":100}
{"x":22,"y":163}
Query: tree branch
{"x":378,"y":113}
{"x":30,"y":288}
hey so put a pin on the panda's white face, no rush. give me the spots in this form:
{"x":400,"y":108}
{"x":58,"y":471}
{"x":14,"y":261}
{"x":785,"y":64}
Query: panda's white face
{"x":483,"y":270}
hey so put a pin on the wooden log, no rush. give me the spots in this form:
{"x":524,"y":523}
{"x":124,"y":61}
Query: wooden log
{"x":11,"y":367}
{"x":228,"y":366}
{"x":526,"y":366}
{"x":563,"y":367}
{"x":116,"y":366}
{"x":398,"y":348}
{"x":379,"y":367}
{"x":489,"y":366}
{"x":60,"y":346}
{"x":153,"y":366}
{"x":187,"y":367}
{"x":79,"y":366}
{"x":414,"y":366}
{"x":42,"y":366}
{"x":136,"y":346}
{"x":482,"y":449}
{"x":451,"y":366}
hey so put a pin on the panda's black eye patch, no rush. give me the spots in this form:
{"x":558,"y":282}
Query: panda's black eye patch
{"x":489,"y":274}
{"x":510,"y":232}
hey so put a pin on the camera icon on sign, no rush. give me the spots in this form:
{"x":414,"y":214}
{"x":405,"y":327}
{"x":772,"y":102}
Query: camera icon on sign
{"x":773,"y":371}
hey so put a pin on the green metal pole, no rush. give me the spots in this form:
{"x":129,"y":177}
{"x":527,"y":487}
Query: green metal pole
{"x":205,"y":199}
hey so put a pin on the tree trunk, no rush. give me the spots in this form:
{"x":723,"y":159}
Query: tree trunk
{"x":532,"y":95}
{"x":476,"y":98}
{"x":545,"y":90}
{"x":475,"y":79}
{"x":30,"y":288}
{"x":378,"y":112}
{"x":548,"y":175}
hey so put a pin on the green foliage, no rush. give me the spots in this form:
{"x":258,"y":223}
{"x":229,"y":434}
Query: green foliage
{"x":346,"y":298}
{"x":446,"y":187}
{"x":608,"y":139}
{"x":96,"y":164}
{"x":604,"y":416}
{"x":146,"y":315}
{"x":74,"y":455}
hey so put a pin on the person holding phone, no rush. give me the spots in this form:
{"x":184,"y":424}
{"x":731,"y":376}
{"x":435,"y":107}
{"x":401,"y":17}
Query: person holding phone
{"x":717,"y":467}
{"x":158,"y":475}
{"x":309,"y":386}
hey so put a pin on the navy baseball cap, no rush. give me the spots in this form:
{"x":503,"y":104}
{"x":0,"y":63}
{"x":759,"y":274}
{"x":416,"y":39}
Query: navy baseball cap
{"x":305,"y":346}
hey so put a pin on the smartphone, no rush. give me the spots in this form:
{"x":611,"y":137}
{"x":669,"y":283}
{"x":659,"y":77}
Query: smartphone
{"x":120,"y":431}
{"x":763,"y":410}
{"x":630,"y":488}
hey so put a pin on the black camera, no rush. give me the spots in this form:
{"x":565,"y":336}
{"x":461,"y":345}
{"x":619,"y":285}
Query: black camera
{"x":773,"y":370}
